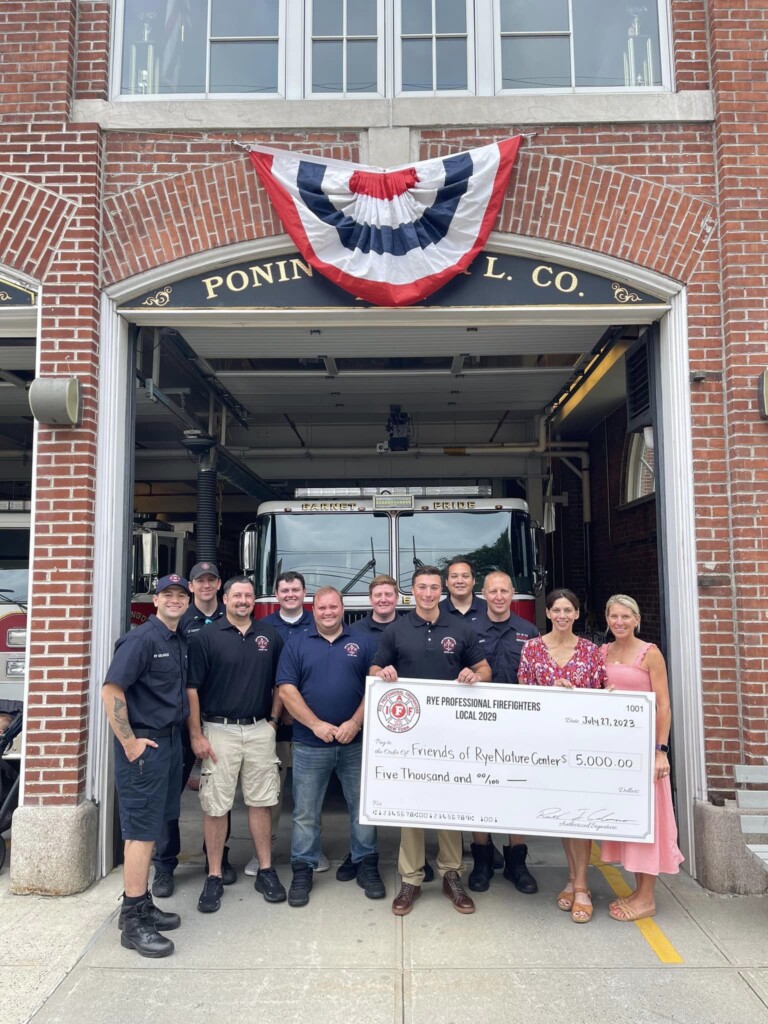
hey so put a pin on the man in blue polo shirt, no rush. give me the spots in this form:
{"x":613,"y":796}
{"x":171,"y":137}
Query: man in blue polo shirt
{"x":144,"y":696}
{"x":321,"y":677}
{"x":428,"y":643}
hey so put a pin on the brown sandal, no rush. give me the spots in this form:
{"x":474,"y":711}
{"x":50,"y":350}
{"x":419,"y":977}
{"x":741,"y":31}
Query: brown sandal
{"x":585,"y":910}
{"x":629,"y":913}
{"x":565,"y":899}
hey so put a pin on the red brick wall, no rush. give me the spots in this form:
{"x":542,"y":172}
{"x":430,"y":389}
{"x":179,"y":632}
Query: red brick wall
{"x":50,"y":220}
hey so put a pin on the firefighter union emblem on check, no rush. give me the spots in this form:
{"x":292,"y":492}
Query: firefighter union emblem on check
{"x":398,"y":710}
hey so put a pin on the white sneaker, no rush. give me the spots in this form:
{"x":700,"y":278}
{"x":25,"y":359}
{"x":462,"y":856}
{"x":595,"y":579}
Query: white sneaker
{"x":322,"y":864}
{"x":252,"y":867}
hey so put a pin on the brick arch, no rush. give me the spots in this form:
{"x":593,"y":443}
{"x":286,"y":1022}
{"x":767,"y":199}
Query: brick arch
{"x":552,"y":198}
{"x":32,"y":220}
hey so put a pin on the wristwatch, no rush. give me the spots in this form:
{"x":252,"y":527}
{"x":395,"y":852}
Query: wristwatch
{"x":662,"y":747}
{"x":275,"y":719}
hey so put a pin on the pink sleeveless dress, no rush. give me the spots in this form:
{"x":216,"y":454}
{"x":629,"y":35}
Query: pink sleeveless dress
{"x":662,"y":855}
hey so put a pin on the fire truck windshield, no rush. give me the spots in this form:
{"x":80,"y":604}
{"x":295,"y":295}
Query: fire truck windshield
{"x":14,"y":566}
{"x":490,"y":539}
{"x":338,"y":550}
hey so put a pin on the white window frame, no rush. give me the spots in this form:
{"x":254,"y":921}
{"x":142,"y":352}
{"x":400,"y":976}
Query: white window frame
{"x":665,"y":60}
{"x":381,"y":42}
{"x":636,"y":465}
{"x":397,"y":63}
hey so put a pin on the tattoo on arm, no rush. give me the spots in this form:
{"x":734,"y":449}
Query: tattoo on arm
{"x":121,"y":719}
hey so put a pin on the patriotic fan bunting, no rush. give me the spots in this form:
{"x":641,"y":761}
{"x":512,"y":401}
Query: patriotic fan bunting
{"x":389,"y":237}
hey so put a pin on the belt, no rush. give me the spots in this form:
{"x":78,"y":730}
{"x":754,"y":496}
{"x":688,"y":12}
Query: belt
{"x":219,"y":720}
{"x":152,"y":734}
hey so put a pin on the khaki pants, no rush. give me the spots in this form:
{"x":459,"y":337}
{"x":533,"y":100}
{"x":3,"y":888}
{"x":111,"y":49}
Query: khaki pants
{"x":410,"y":863}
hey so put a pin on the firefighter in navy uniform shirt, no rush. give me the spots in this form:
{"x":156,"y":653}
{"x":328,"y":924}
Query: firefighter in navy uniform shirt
{"x":232,"y":667}
{"x":145,"y":699}
{"x":462,"y":602}
{"x":501,"y":634}
{"x":321,"y":677}
{"x":205,"y":608}
{"x":382,"y":593}
{"x":429,"y":643}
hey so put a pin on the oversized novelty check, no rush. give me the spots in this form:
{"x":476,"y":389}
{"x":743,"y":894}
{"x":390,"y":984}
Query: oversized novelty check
{"x":535,"y":760}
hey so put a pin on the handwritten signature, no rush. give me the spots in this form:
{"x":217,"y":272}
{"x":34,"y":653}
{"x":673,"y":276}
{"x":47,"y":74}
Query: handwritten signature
{"x":601,"y":818}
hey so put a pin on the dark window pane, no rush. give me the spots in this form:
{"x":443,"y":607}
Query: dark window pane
{"x":242,"y":17}
{"x":361,"y":66}
{"x":163,"y":51}
{"x":626,"y":52}
{"x":330,"y":550}
{"x":327,"y":67}
{"x":244,"y":67}
{"x":541,"y":16}
{"x":361,"y":18}
{"x":416,"y":16}
{"x":451,"y":64}
{"x":528,"y":62}
{"x":417,"y":64}
{"x":450,"y":16}
{"x":327,"y":18}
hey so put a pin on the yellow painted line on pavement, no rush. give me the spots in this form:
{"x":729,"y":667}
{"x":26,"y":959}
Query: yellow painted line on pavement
{"x":648,"y":928}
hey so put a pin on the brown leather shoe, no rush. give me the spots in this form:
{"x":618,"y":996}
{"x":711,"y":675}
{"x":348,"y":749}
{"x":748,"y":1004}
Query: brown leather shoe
{"x":402,"y":904}
{"x":454,"y":891}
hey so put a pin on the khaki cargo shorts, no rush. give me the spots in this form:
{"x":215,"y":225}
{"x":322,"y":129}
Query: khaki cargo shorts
{"x":246,"y":753}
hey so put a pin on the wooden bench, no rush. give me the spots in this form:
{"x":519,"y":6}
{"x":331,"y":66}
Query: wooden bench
{"x":753,"y":799}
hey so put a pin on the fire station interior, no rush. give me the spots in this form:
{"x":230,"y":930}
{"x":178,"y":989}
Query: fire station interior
{"x":537,"y":412}
{"x":518,"y":410}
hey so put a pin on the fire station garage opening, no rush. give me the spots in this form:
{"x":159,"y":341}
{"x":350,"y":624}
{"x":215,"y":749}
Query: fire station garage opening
{"x":347,"y":442}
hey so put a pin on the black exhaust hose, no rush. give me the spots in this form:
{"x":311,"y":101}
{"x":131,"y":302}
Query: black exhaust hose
{"x":206,"y":531}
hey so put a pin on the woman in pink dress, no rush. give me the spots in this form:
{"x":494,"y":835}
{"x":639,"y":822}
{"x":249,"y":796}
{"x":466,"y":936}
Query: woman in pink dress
{"x":633,"y":664}
{"x":560,"y":658}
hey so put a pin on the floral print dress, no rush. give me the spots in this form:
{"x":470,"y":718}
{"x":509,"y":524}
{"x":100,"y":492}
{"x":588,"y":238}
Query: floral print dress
{"x":585,"y":667}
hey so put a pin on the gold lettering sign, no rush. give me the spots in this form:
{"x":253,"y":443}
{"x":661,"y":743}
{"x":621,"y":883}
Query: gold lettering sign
{"x":274,"y":272}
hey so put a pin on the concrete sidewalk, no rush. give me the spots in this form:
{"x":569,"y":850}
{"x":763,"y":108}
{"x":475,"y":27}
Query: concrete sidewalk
{"x":702,"y":960}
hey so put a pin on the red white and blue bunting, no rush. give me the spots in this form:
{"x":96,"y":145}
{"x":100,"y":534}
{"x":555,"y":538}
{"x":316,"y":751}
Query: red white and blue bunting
{"x":390,"y":237}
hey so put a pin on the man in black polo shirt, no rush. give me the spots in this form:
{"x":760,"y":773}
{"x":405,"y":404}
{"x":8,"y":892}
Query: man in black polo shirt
{"x":322,"y":682}
{"x":205,"y":607}
{"x":232,"y":666}
{"x":427,"y":643}
{"x":501,"y":635}
{"x":144,"y":696}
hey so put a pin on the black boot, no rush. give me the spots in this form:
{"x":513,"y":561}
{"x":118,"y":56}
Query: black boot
{"x":368,"y":877}
{"x":140,"y":933}
{"x":482,"y":873}
{"x":160,"y":919}
{"x":516,"y":871}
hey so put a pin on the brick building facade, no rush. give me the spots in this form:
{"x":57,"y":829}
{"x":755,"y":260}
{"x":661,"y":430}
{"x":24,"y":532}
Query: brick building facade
{"x":97,"y":193}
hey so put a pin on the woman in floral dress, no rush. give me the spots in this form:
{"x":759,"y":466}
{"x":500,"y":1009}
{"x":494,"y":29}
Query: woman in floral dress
{"x":560,"y":658}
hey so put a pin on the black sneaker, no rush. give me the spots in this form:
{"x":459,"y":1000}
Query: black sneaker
{"x":346,"y":871}
{"x":228,"y":873}
{"x":368,"y":877}
{"x":301,"y":884}
{"x":152,"y":916}
{"x":210,"y":897}
{"x":163,"y":885}
{"x":269,"y":885}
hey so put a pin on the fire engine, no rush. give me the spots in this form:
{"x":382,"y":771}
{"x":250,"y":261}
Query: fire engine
{"x":158,"y":549}
{"x":343,"y":537}
{"x":14,"y":583}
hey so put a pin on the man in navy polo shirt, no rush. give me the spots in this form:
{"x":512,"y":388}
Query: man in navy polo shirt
{"x":232,"y":666}
{"x":460,"y":583}
{"x":428,"y":643}
{"x":144,"y":696}
{"x":321,"y":677}
{"x":382,"y":593}
{"x":501,"y":634}
{"x":205,"y":607}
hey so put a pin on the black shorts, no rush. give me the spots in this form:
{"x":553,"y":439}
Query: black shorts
{"x":149,"y":788}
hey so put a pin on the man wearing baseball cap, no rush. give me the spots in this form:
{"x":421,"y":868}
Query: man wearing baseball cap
{"x":145,"y":699}
{"x":205,"y":608}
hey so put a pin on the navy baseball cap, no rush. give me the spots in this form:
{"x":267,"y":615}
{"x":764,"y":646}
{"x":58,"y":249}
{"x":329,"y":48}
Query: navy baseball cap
{"x":203,"y":569}
{"x":171,"y":581}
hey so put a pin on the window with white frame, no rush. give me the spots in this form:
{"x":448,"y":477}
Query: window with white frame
{"x":640,"y":475}
{"x":368,"y":48}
